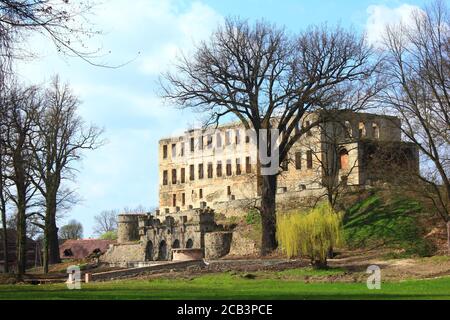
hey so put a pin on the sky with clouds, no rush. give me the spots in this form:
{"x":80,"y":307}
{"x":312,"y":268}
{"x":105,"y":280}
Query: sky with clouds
{"x":125,"y":102}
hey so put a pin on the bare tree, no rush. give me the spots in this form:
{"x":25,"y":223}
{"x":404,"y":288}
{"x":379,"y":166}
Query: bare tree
{"x":62,"y":137}
{"x":72,"y":230}
{"x":106,"y":221}
{"x":268,"y":80}
{"x":63,"y":22}
{"x":417,"y":72}
{"x":22,"y":108}
{"x":3,"y":186}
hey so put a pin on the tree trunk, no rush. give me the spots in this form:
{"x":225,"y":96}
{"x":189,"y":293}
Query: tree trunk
{"x":53,"y":244}
{"x":5,"y":243}
{"x":319,"y":264}
{"x":52,"y":236}
{"x":45,"y":257}
{"x":268,"y":216}
{"x":330,"y":197}
{"x":21,"y":250}
{"x":330,"y":253}
{"x":21,"y":224}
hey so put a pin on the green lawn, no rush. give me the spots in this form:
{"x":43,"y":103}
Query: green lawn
{"x":229,"y":286}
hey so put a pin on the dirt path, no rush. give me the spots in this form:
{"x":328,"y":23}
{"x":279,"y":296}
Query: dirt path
{"x":395,"y":269}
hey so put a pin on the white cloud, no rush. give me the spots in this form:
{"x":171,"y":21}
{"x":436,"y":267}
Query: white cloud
{"x":157,"y":29}
{"x":187,"y":28}
{"x":158,"y":61}
{"x":381,"y":16}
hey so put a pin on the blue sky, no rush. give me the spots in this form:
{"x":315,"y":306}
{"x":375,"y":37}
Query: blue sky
{"x":124,"y":101}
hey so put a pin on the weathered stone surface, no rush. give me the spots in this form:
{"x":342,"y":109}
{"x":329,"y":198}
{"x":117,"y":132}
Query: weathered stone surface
{"x":127,"y":228}
{"x":124,"y":252}
{"x":242,"y":246}
{"x":217,"y":244}
{"x":159,"y":235}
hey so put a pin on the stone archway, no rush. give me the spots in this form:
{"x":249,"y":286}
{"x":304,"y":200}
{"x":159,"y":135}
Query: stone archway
{"x":175,"y":245}
{"x":189,"y":244}
{"x":149,"y":251}
{"x":162,"y":252}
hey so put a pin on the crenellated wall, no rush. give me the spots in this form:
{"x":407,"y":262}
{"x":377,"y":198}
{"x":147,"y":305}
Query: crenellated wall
{"x":152,"y":237}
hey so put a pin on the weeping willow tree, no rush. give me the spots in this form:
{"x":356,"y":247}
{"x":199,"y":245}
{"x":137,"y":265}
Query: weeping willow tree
{"x":310,"y":234}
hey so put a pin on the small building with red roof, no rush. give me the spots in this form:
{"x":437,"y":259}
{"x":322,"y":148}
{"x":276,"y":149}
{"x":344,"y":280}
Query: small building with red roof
{"x":81,"y":249}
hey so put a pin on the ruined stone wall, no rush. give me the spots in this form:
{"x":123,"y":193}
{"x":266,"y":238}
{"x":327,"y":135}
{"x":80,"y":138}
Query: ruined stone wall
{"x":217,"y":244}
{"x":118,"y":253}
{"x":242,"y":246}
{"x":236,"y":185}
{"x":128,"y":228}
{"x":228,"y":144}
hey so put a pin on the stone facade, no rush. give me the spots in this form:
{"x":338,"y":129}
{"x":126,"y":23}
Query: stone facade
{"x":153,"y":237}
{"x":218,"y":166}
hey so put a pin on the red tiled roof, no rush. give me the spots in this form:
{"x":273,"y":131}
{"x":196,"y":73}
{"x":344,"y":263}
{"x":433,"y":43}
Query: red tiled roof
{"x":80,"y":249}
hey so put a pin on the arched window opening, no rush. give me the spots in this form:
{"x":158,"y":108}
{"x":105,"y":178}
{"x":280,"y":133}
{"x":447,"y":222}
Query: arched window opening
{"x":176,"y":244}
{"x":348,"y":129}
{"x":343,"y":159}
{"x":162,"y":252}
{"x":68,"y":253}
{"x":189,"y":244}
{"x":375,"y":131}
{"x":362,"y":129}
{"x":149,"y":251}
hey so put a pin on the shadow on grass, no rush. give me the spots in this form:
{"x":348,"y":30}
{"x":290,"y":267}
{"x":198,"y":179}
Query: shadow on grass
{"x":372,"y":223}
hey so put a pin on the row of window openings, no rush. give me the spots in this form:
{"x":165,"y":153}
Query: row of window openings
{"x":248,"y":169}
{"x":209,"y":142}
{"x":200,"y":175}
{"x":343,"y":164}
{"x":200,"y":196}
{"x":362,"y":130}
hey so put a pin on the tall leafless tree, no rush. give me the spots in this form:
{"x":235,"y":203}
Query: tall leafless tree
{"x":62,"y":138}
{"x":268,"y":80}
{"x":3,"y":186}
{"x":22,"y":108}
{"x":418,"y":73}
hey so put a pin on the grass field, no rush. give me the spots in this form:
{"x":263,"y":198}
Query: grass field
{"x":232,"y":286}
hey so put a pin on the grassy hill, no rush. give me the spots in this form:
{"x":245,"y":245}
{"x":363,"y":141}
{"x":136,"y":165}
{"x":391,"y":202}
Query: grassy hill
{"x":387,"y":222}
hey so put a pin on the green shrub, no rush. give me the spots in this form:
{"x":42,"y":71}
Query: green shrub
{"x":311,"y":233}
{"x":253,"y":217}
{"x":110,"y":235}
